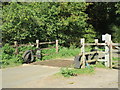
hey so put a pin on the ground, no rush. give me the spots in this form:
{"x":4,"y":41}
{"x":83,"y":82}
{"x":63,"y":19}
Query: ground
{"x":101,"y":79}
{"x":43,"y":75}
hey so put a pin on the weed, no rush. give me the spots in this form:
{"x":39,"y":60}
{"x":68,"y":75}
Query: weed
{"x":74,"y":72}
{"x":67,"y":72}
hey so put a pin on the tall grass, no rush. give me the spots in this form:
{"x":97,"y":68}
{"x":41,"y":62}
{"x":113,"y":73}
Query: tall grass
{"x":9,"y":59}
{"x":64,"y":52}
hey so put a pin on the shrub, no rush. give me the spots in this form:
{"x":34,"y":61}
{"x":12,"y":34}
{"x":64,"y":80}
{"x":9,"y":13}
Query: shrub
{"x":7,"y":49}
{"x":67,"y":72}
{"x":9,"y":58}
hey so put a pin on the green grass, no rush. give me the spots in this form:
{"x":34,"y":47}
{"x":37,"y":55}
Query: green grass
{"x":67,"y":72}
{"x":11,"y":65}
{"x":115,"y":61}
{"x":99,"y":65}
{"x":64,"y":52}
{"x":116,"y":58}
{"x":9,"y":59}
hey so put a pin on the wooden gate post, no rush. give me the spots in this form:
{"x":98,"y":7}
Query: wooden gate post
{"x":16,"y":47}
{"x":107,"y":39}
{"x":83,"y":52}
{"x":56,"y":46}
{"x":96,"y":42}
{"x":110,"y":53}
{"x":37,"y":43}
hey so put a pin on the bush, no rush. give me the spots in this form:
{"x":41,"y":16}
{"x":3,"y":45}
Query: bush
{"x":9,"y":58}
{"x":67,"y":72}
{"x":7,"y":49}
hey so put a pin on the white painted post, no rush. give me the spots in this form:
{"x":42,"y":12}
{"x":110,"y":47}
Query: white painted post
{"x":37,"y":43}
{"x":107,"y":50}
{"x":83,"y":52}
{"x":106,"y":55}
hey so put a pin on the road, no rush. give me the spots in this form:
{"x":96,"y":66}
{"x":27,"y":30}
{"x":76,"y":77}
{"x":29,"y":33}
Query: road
{"x":37,"y":76}
{"x":21,"y":75}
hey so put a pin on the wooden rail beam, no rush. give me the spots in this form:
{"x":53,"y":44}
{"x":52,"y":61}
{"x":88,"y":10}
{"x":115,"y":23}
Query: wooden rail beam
{"x":46,"y":43}
{"x":93,"y":60}
{"x":99,"y":44}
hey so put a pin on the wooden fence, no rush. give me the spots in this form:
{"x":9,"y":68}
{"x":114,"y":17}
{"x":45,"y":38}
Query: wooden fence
{"x":108,"y":50}
{"x":37,"y":44}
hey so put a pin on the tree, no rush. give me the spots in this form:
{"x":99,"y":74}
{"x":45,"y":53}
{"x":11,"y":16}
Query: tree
{"x":26,"y":22}
{"x":104,"y":17}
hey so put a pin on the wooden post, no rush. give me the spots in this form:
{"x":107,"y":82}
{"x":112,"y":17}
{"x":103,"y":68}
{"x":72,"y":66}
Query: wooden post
{"x":56,"y":46}
{"x":96,"y":41}
{"x":110,"y":53}
{"x":106,"y":55}
{"x":37,"y":43}
{"x":16,"y":46}
{"x":83,"y":52}
{"x":107,"y":50}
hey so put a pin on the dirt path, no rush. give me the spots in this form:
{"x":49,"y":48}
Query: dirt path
{"x":39,"y":76}
{"x":22,"y":75}
{"x":103,"y":78}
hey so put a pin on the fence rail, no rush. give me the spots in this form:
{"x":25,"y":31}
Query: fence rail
{"x":115,"y":44}
{"x":37,"y":44}
{"x":46,"y":43}
{"x":108,"y":50}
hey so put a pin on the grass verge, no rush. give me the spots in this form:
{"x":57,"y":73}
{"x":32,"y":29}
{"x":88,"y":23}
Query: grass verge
{"x":67,"y":72}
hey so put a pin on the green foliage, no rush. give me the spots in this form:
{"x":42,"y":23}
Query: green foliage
{"x":64,"y":52}
{"x":100,"y":65}
{"x":118,"y":7}
{"x":25,"y":48}
{"x":7,"y":49}
{"x":26,"y":22}
{"x":116,"y":58}
{"x":116,"y":26}
{"x":116,"y":33}
{"x":105,"y":18}
{"x":65,"y":21}
{"x":9,"y":58}
{"x":66,"y":72}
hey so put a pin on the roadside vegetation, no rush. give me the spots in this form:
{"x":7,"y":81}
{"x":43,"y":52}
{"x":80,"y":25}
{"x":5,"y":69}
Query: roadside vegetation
{"x":9,"y":59}
{"x":68,"y":72}
{"x":47,"y":21}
